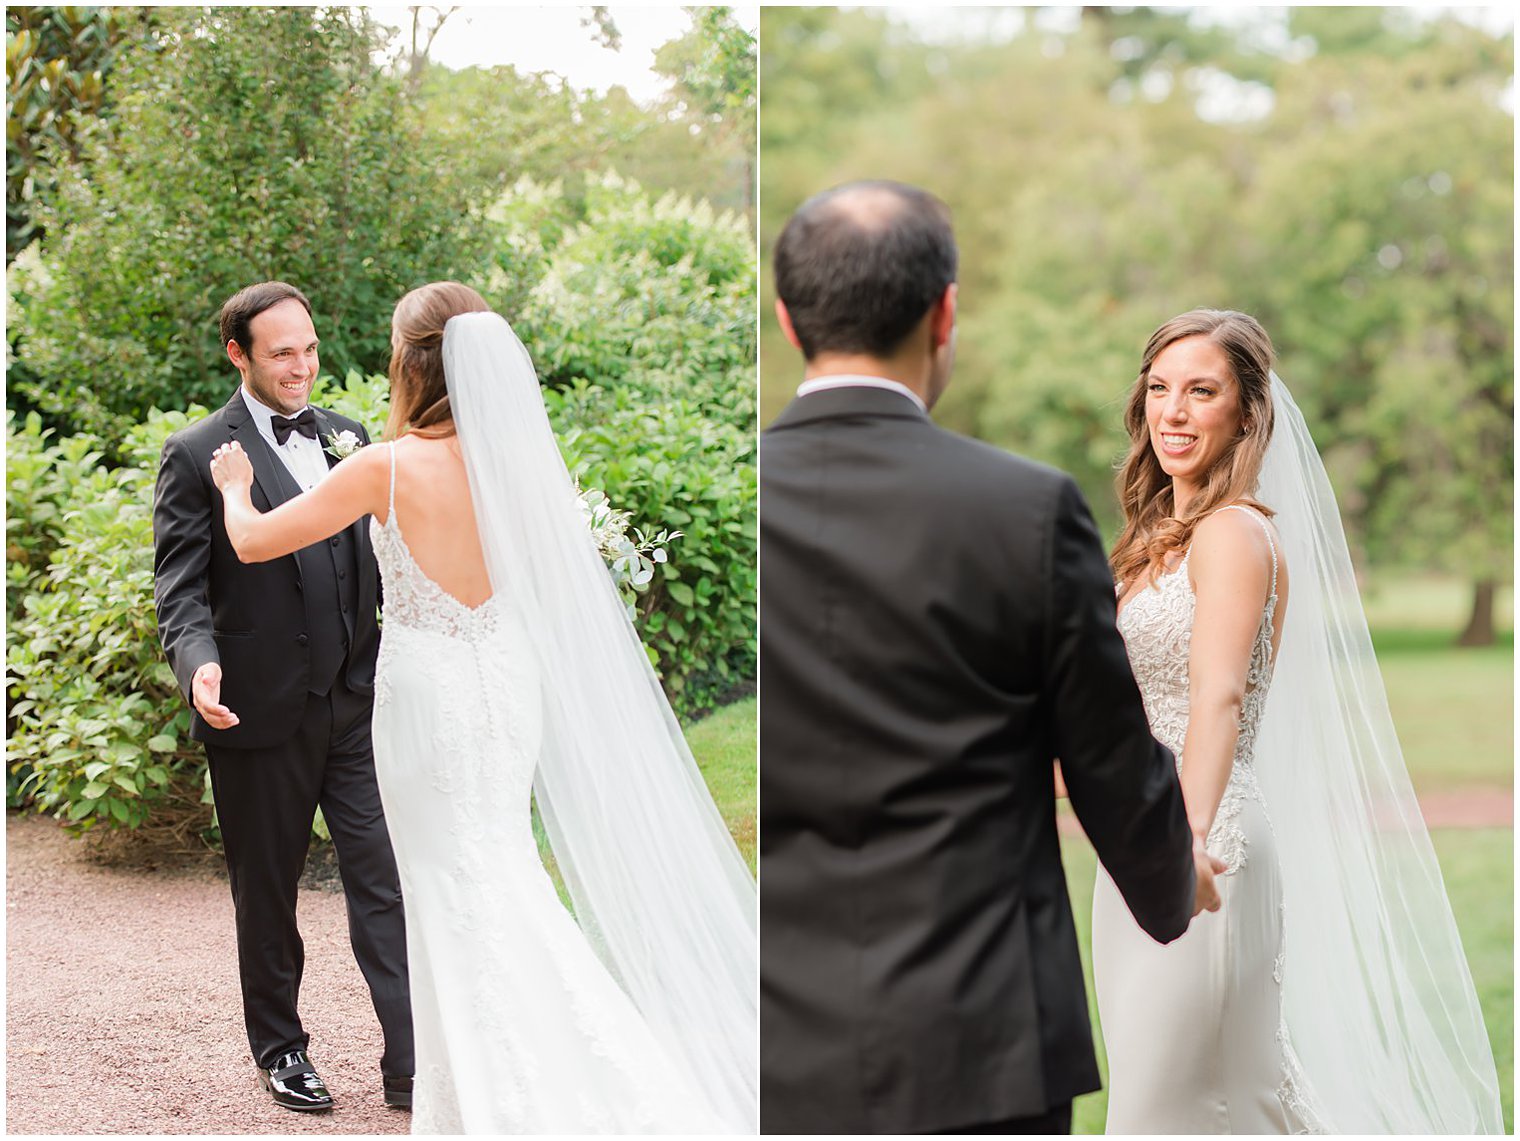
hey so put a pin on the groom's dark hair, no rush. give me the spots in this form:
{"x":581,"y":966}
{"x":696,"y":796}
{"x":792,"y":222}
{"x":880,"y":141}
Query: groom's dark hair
{"x":858,"y":266}
{"x":247,"y":303}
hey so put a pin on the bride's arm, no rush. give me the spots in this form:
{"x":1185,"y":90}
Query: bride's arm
{"x":359,"y":485}
{"x":1231,"y":570}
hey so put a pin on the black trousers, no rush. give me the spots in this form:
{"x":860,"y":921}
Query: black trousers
{"x":265,"y":802}
{"x":1056,"y":1120}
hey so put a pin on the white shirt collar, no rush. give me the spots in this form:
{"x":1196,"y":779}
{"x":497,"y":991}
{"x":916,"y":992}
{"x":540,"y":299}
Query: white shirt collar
{"x":262,"y":413}
{"x":823,"y":383}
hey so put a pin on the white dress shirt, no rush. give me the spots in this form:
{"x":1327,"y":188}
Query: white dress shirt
{"x":823,"y":383}
{"x":304,"y":459}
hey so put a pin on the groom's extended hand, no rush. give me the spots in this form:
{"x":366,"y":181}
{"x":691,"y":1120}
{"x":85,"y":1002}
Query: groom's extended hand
{"x":206,"y":689}
{"x":1206,"y":894}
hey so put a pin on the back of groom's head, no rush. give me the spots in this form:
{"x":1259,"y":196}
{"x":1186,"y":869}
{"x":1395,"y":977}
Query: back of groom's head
{"x":859,"y":266}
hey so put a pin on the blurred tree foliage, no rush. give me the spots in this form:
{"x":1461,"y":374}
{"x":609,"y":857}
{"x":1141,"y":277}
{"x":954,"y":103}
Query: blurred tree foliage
{"x":57,"y":60}
{"x":246,"y":144}
{"x":1343,"y":174}
{"x":713,"y":71}
{"x":498,"y":125}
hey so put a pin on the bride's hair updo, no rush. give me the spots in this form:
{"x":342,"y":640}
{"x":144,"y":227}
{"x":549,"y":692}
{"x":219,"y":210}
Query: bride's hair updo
{"x":1151,"y":531}
{"x":419,"y":392}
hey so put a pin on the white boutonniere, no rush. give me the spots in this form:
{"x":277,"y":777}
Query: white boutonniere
{"x":342,"y":444}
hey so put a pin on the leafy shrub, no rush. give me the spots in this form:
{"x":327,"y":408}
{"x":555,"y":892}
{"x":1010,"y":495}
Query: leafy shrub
{"x":654,"y":295}
{"x":100,"y":730}
{"x":673,"y":466}
{"x":41,"y":476}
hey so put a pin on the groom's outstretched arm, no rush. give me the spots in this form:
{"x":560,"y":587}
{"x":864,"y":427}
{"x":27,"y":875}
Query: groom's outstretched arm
{"x":181,"y":562}
{"x":1122,"y":782}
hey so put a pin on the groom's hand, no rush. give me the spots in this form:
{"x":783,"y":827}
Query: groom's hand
{"x":206,"y":689}
{"x":1206,"y":893}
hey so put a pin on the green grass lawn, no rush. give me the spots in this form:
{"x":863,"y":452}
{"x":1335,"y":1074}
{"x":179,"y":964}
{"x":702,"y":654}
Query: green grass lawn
{"x":1452,"y":706}
{"x":724,"y":746}
{"x":1478,"y":866}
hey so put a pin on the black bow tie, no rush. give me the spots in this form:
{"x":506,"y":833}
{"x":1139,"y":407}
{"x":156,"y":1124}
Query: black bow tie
{"x":304,"y":422}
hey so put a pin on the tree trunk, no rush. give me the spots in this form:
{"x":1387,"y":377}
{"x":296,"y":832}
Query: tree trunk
{"x":1480,"y":627}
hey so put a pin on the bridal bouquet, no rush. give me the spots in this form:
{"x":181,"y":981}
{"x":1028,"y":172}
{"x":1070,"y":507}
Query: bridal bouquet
{"x":631,"y":561}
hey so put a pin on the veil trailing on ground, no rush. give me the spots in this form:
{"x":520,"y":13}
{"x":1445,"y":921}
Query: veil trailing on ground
{"x":1376,"y":991}
{"x":658,"y":884}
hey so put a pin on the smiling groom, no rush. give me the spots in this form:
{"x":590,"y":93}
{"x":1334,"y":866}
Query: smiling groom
{"x":278,"y":661}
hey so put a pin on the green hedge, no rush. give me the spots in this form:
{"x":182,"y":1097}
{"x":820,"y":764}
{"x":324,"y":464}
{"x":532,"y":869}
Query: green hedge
{"x":672,"y":466}
{"x":99,"y":732}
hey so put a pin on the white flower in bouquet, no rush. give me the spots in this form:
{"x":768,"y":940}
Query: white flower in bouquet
{"x":631,"y":561}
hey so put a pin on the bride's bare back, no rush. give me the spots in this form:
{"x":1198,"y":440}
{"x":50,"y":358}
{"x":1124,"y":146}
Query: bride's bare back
{"x":436,"y":516}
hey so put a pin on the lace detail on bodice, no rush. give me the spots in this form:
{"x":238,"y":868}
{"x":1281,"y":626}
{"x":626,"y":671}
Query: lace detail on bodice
{"x":1157,"y":625}
{"x":412,"y":598}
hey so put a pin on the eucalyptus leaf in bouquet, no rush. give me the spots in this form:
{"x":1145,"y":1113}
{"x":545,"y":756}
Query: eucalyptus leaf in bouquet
{"x":631,"y":561}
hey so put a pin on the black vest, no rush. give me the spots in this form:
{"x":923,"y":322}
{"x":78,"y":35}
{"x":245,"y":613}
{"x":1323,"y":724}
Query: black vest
{"x":329,"y":586}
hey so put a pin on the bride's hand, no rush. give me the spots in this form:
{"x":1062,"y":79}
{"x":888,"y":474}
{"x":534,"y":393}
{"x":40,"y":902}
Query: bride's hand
{"x":1206,"y":893}
{"x":230,"y":467}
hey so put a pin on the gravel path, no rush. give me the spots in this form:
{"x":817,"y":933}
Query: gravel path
{"x":122,"y":1007}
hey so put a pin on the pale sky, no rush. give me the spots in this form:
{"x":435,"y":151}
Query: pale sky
{"x":939,"y":23}
{"x":1220,"y":97}
{"x":542,"y":38}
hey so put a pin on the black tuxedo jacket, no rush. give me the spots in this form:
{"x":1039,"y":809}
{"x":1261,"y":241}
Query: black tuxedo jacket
{"x":937,"y":626}
{"x":267,"y":624}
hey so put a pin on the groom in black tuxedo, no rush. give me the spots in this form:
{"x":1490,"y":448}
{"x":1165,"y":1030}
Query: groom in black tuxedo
{"x":937,"y":628}
{"x":278,"y":661}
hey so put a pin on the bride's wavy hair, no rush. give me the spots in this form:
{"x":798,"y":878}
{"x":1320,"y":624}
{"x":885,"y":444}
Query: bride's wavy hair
{"x":419,"y":391}
{"x":1151,"y":529}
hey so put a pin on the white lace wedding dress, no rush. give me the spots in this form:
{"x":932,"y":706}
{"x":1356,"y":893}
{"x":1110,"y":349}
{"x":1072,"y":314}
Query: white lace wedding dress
{"x":1193,"y":1029}
{"x":519,"y":1026}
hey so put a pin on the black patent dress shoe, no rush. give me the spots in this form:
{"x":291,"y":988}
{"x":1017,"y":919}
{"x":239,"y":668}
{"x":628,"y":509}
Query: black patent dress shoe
{"x":398,"y":1091}
{"x":294,"y":1084}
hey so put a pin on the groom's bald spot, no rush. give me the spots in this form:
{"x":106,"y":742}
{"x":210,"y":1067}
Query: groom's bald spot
{"x":859,"y":266}
{"x":870,"y":206}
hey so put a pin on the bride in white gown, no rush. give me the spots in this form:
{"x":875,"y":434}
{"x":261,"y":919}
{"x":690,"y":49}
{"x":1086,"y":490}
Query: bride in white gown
{"x":508,"y":666}
{"x":1330,"y":992}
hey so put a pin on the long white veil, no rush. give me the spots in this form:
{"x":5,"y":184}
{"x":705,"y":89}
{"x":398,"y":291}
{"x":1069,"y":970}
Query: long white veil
{"x":1377,"y":995}
{"x":658,"y":884}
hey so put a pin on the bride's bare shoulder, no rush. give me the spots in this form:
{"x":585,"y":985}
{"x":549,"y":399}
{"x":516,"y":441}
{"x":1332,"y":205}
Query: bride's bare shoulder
{"x":427,"y":449}
{"x":1234,"y":545}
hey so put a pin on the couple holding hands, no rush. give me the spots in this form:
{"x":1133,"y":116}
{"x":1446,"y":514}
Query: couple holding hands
{"x":1272,"y":946}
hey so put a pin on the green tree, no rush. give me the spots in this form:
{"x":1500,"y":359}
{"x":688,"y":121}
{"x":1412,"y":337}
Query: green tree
{"x":498,"y":125}
{"x":57,"y":60}
{"x":248,"y":143}
{"x":1357,"y":210}
{"x":1383,"y":261}
{"x":713,"y":70}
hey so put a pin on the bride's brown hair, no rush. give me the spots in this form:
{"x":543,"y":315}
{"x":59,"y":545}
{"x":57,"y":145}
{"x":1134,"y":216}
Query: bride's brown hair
{"x":1151,"y":531}
{"x":419,"y":392}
